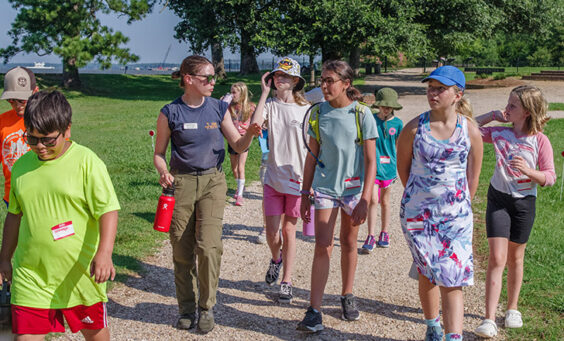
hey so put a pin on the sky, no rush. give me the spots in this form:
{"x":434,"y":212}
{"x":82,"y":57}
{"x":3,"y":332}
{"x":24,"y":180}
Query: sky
{"x":148,"y":38}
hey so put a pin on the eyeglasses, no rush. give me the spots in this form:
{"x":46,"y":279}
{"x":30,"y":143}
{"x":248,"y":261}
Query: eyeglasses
{"x":209,"y":78}
{"x":46,"y":141}
{"x":329,"y":81}
{"x":17,"y":101}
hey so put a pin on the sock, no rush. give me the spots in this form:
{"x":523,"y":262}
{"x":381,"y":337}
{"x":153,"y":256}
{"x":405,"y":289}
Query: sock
{"x":240,"y":186}
{"x":436,"y":322}
{"x":453,"y":337}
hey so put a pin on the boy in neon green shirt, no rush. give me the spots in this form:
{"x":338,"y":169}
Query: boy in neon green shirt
{"x":63,"y":220}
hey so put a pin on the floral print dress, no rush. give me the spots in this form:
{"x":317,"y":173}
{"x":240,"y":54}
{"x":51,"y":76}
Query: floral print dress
{"x":436,"y":213}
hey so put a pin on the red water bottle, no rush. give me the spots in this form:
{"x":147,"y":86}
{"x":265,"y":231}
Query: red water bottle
{"x":165,"y":207}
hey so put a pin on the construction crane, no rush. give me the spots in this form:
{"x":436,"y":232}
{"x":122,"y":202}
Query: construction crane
{"x":166,"y":55}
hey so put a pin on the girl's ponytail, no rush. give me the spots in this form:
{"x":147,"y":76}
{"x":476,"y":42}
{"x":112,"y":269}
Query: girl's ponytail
{"x":464,"y":107}
{"x":354,"y":94}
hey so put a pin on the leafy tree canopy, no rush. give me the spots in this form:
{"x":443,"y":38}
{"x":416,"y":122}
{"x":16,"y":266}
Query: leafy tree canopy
{"x":72,"y":30}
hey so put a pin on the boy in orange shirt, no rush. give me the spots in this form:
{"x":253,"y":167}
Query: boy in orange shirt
{"x":19,"y":84}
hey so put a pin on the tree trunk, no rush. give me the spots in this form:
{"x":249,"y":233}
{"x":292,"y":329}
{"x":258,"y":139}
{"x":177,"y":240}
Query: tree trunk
{"x":70,"y":74}
{"x":248,"y":58}
{"x":217,"y":59}
{"x":330,"y":53}
{"x":311,"y":70}
{"x":354,"y":60}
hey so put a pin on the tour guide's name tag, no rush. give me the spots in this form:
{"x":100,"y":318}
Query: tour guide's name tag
{"x":190,"y":126}
{"x":62,"y":230}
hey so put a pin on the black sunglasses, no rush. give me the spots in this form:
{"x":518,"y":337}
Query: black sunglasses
{"x":46,"y":141}
{"x":209,"y":78}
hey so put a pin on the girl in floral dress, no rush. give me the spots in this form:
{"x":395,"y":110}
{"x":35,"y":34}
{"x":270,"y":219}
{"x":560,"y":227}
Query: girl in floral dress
{"x":439,"y":160}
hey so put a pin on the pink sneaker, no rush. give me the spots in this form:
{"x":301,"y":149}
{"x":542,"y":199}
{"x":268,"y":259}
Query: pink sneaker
{"x":239,"y":201}
{"x":235,"y":196}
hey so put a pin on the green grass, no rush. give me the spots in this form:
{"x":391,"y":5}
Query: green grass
{"x":542,"y":294}
{"x":112,"y":115}
{"x":555,"y":106}
{"x":511,"y":71}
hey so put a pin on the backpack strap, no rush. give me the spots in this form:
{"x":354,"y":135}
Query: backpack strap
{"x":314,"y":123}
{"x":359,"y":112}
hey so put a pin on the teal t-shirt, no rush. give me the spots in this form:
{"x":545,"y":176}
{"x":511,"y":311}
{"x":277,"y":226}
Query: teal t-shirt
{"x":60,"y":201}
{"x":386,"y":156}
{"x":343,"y":158}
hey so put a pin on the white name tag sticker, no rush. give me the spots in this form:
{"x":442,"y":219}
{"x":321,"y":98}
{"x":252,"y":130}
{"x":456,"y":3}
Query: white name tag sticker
{"x":62,"y":230}
{"x":193,"y":125}
{"x":524,"y":185}
{"x":352,"y":182}
{"x":384,"y":159}
{"x":294,"y":185}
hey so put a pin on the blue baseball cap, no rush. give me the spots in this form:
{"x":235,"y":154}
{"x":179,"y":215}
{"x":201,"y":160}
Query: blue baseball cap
{"x":449,"y":76}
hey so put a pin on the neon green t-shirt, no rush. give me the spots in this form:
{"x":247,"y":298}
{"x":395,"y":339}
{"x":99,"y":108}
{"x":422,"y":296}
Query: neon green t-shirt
{"x":51,"y":266}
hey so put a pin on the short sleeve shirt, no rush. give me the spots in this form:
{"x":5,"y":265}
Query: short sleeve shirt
{"x":286,"y":159}
{"x":13,"y":146}
{"x":386,"y":156}
{"x":52,"y":270}
{"x":344,"y":159}
{"x":196,"y":137}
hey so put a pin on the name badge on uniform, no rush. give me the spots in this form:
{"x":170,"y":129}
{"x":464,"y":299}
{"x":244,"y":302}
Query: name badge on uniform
{"x":62,"y":230}
{"x":384,"y":159}
{"x":352,"y":183}
{"x":192,"y":125}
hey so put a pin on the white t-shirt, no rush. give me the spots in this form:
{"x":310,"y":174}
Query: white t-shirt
{"x":287,"y":155}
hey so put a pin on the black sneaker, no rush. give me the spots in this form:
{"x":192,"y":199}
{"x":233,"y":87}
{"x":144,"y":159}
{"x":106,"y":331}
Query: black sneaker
{"x":312,"y":322}
{"x":186,"y":321}
{"x":350,"y":311}
{"x":273,"y":272}
{"x":285,"y":293}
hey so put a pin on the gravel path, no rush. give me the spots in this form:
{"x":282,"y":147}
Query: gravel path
{"x":144,"y":308}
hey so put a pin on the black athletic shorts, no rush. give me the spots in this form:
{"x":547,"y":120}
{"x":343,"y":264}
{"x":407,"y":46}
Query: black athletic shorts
{"x":509,"y":217}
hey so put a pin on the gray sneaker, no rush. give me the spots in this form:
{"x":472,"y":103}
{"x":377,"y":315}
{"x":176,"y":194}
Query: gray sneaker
{"x":350,"y":311}
{"x":273,"y":272}
{"x":285,"y":295}
{"x":206,"y":321}
{"x":186,"y":321}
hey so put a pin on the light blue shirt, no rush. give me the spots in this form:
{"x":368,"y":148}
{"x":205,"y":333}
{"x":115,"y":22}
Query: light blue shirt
{"x":344,"y":159}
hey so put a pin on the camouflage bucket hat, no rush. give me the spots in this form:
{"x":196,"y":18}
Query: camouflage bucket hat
{"x":387,"y":97}
{"x":288,"y":66}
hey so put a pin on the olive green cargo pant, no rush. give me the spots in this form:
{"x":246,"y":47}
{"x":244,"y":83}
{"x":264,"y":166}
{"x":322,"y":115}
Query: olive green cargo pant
{"x":195,"y":233}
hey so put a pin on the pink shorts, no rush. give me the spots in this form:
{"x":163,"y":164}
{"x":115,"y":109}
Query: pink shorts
{"x":383,"y":184}
{"x":276,"y":203}
{"x":26,"y":320}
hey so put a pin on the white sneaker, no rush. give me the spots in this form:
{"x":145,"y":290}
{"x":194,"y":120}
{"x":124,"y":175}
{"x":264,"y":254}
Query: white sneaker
{"x":261,"y":238}
{"x":513,"y":319}
{"x":486,"y":329}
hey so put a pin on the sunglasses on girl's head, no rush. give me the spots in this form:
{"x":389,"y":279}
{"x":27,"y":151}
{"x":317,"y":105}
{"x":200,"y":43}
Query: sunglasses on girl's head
{"x":46,"y":141}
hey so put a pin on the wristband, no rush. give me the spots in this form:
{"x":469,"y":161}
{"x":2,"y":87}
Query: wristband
{"x":304,"y":192}
{"x":493,"y":115}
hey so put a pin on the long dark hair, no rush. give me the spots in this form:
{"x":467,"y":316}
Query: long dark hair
{"x":344,"y":71}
